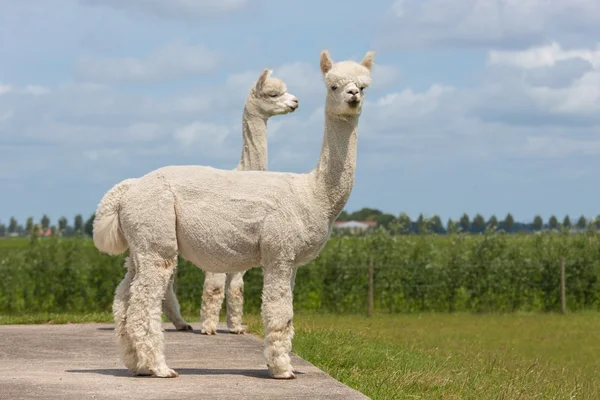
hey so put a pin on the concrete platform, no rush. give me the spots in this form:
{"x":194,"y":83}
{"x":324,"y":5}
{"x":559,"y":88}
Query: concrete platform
{"x":80,"y":361}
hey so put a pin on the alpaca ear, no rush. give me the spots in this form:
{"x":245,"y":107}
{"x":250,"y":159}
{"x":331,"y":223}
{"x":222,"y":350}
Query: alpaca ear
{"x":262,"y":79}
{"x":326,"y":62}
{"x":367,"y":61}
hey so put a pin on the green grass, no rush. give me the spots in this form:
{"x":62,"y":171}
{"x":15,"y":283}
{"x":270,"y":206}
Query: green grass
{"x":433,"y":356}
{"x":439,"y":356}
{"x":54,"y":318}
{"x":13,"y":242}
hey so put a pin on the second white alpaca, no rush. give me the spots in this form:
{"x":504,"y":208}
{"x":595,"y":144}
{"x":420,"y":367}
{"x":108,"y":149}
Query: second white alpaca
{"x":267,"y":98}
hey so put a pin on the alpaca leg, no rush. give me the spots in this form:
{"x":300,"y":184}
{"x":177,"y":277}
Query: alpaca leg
{"x":144,"y":323}
{"x":234,"y":285}
{"x":212,"y":300}
{"x":170,"y":306}
{"x":119,"y":310}
{"x":277,"y":314}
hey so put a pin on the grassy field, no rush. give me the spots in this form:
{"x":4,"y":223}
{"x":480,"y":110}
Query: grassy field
{"x":441,"y":356}
{"x":462,"y":356}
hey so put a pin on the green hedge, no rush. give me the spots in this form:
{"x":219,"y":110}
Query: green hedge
{"x":480,"y":273}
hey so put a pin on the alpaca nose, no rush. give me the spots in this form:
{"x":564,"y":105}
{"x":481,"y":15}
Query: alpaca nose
{"x":353,"y":91}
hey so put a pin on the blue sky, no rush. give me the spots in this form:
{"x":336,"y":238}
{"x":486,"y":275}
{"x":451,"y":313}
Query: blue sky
{"x":477,"y":106}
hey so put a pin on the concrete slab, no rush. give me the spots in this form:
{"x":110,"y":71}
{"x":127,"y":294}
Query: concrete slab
{"x":80,"y":361}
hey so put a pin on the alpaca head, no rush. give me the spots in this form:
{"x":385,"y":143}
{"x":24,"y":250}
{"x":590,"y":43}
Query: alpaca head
{"x":269,"y":96}
{"x":346,"y":82}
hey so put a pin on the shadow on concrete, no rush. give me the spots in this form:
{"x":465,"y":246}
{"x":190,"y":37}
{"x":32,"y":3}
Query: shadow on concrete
{"x":197,"y":332}
{"x":253,"y":373}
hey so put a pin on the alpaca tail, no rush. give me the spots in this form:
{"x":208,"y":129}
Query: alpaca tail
{"x":108,"y":235}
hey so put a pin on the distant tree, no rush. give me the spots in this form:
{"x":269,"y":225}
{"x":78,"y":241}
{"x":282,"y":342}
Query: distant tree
{"x":582,"y":222}
{"x":62,"y":224}
{"x":452,"y":226}
{"x":45,"y":222}
{"x":404,"y":224}
{"x":436,"y":224}
{"x":566,"y":222}
{"x":3,"y":230}
{"x":509,"y":223}
{"x":492,"y":222}
{"x":465,"y":222}
{"x":78,"y":223}
{"x":365,"y":214}
{"x":478,"y":223}
{"x":29,"y":225}
{"x":89,"y":225}
{"x":385,"y":220}
{"x":421,"y":224}
{"x":538,"y":223}
{"x":343,"y":216}
{"x":597,"y":222}
{"x":591,"y":225}
{"x":553,"y":222}
{"x":12,"y":225}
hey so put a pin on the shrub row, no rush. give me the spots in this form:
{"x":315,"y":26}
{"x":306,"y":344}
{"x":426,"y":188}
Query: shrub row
{"x":492,"y":272}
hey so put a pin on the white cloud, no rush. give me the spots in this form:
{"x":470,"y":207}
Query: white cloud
{"x":300,"y":77}
{"x":95,"y":155}
{"x":505,"y":23}
{"x":543,"y":56}
{"x":143,"y":131}
{"x":241,"y":81}
{"x":384,"y":75}
{"x":36,"y":90}
{"x":176,"y":9}
{"x":174,"y":61}
{"x":583,"y":97}
{"x":5,"y":89}
{"x":546,"y":82}
{"x":6,"y":115}
{"x":408,"y":104}
{"x":558,"y":147}
{"x":210,"y":136}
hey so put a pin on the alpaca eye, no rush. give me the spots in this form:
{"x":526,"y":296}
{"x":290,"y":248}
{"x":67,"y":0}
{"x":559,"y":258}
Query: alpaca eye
{"x":333,"y":87}
{"x":362,"y":88}
{"x":273,"y":95}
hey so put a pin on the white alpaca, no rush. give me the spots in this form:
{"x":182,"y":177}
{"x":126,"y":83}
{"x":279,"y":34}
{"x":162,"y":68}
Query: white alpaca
{"x":267,"y":97}
{"x":229,"y":221}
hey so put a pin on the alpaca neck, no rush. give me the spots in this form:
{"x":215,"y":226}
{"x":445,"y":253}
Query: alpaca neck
{"x":254,"y":145}
{"x":334,"y":174}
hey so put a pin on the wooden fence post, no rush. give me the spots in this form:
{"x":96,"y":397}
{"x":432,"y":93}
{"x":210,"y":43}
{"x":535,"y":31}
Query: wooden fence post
{"x":370,"y":299}
{"x":563,"y":297}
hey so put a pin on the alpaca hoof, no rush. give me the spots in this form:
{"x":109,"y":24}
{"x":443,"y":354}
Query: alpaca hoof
{"x":186,"y":327}
{"x":208,"y":330}
{"x":284,"y":375}
{"x":237,"y":330}
{"x":164,"y":373}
